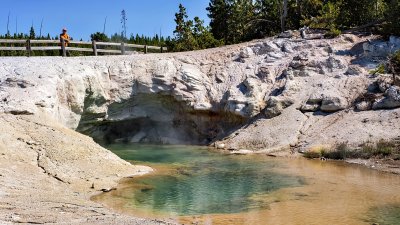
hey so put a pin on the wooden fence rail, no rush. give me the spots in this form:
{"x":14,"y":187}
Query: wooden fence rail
{"x":122,"y":48}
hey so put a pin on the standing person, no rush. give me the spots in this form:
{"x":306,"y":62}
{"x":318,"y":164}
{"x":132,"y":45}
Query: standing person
{"x":64,"y":36}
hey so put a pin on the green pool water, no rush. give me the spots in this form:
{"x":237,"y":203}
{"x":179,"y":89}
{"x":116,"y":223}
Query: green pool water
{"x":384,"y":215}
{"x":203,"y":181}
{"x":195,"y":185}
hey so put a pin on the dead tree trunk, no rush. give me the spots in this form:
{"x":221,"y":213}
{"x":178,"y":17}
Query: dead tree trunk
{"x":284,"y":14}
{"x":299,"y":9}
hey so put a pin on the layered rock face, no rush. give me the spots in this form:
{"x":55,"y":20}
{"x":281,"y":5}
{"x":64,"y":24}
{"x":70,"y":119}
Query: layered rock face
{"x":266,"y":95}
{"x":139,"y":99}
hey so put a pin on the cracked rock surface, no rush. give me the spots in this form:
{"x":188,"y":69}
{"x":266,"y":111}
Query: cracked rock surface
{"x":47,"y":171}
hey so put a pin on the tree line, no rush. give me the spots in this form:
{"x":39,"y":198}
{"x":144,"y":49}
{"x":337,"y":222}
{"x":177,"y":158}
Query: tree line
{"x":155,"y":40}
{"x":234,"y":21}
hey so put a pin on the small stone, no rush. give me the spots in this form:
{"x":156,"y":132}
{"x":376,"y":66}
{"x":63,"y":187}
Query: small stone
{"x":249,"y":67}
{"x":286,"y":34}
{"x":108,"y":189}
{"x":364,"y":106}
{"x":310,"y":107}
{"x":220,"y":146}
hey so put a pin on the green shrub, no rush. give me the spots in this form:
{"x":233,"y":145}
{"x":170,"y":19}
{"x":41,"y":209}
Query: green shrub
{"x":339,"y":153}
{"x":394,"y":63}
{"x":332,"y":33}
{"x":381,"y":149}
{"x":326,"y":19}
{"x":312,"y":155}
{"x":379,"y":70}
{"x":384,"y":148}
{"x":366,"y":150}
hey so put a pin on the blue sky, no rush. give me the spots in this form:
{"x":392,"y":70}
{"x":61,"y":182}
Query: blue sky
{"x":83,"y":17}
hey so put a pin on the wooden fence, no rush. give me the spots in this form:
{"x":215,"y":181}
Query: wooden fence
{"x":118,"y":48}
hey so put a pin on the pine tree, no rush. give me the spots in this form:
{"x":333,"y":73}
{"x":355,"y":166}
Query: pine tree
{"x":358,"y":12}
{"x":181,"y":25}
{"x":98,"y":36}
{"x":184,"y":39}
{"x":241,"y":14}
{"x":203,"y":35}
{"x":392,"y":27}
{"x":32,"y":34}
{"x":218,"y":12}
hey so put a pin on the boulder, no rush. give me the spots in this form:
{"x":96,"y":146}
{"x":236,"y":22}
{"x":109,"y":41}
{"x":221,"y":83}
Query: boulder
{"x":264,"y":48}
{"x":333,"y":104}
{"x":391,"y":99}
{"x":246,"y":53}
{"x":287,"y":47}
{"x":354,"y":70}
{"x":384,"y":82}
{"x":299,"y":62}
{"x":315,"y":98}
{"x":380,"y":48}
{"x":333,"y":63}
{"x":394,"y":43}
{"x":276,"y":105}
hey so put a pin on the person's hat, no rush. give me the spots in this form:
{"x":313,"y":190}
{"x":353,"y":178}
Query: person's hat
{"x":64,"y":29}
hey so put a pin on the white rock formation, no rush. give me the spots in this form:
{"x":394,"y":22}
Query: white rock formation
{"x":199,"y":97}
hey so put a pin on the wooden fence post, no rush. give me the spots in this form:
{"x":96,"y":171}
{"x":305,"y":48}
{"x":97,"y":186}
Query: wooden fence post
{"x":94,"y":47}
{"x":64,"y":51}
{"x":145,"y":49}
{"x":28,"y":47}
{"x":122,"y":48}
{"x":162,"y":48}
